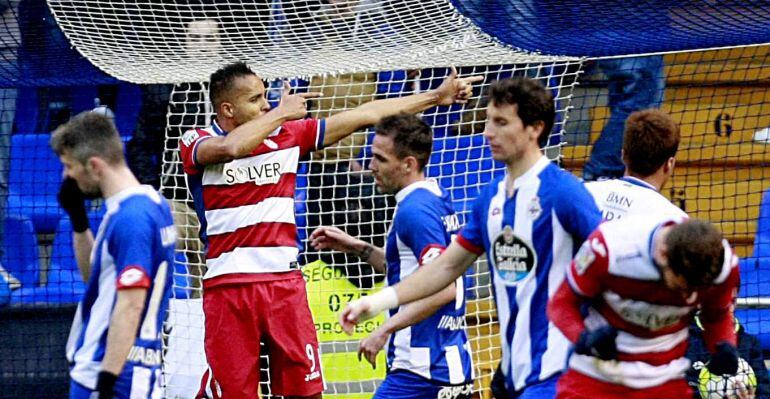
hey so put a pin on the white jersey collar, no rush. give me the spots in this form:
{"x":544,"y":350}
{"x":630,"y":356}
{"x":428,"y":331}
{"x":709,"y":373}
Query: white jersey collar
{"x":428,"y":184}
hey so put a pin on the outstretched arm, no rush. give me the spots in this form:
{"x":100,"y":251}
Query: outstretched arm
{"x":452,"y":90}
{"x":425,"y":282}
{"x":245,"y":138}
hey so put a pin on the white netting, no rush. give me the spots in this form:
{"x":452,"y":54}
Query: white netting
{"x":184,"y":41}
{"x":353,"y":52}
{"x":334,"y":189}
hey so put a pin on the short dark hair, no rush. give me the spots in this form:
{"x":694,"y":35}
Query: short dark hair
{"x":411,"y":136}
{"x":695,"y":252}
{"x":534,"y":102}
{"x":650,"y":139}
{"x":221,"y":81}
{"x":87,"y":135}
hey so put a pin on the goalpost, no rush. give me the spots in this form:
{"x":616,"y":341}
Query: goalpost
{"x":356,"y":51}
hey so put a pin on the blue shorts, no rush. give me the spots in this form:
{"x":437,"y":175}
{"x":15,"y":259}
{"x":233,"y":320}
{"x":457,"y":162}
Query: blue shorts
{"x":134,"y":382}
{"x":545,"y":389}
{"x":401,"y":384}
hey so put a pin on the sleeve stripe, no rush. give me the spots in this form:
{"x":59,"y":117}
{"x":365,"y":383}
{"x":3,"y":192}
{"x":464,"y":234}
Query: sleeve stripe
{"x":195,"y":149}
{"x":573,"y":284}
{"x":133,"y":276}
{"x":469,"y":246}
{"x":320,"y":134}
{"x":728,"y":263}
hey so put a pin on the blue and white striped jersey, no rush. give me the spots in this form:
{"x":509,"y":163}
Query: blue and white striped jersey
{"x":436,"y":348}
{"x":134,"y":248}
{"x":530,"y":239}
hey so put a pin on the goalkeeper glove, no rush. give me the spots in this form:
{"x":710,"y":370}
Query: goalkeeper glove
{"x":105,"y":385}
{"x":725,"y":360}
{"x":598,"y":343}
{"x":72,"y":200}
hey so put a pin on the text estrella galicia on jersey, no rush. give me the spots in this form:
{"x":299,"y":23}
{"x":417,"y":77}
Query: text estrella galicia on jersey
{"x":514,"y":258}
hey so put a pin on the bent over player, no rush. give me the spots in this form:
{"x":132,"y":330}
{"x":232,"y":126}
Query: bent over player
{"x":641,"y":279}
{"x":114,"y":346}
{"x":241,"y":172}
{"x":428,"y":352}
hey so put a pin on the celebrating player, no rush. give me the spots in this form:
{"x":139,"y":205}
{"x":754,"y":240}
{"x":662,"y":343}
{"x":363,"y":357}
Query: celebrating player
{"x":650,"y":142}
{"x":114,"y":345}
{"x":432,"y":355}
{"x":241,"y":172}
{"x":642,"y":279}
{"x":529,"y":222}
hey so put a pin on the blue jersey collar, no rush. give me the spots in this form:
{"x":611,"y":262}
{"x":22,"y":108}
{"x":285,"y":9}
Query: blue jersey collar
{"x":217,"y":129}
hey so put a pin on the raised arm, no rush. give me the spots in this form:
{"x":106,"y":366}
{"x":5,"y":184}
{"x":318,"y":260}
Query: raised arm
{"x":242,"y":140}
{"x":452,"y":90}
{"x":425,"y":282}
{"x":72,"y":200}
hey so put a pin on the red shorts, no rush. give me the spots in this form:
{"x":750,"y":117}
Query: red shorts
{"x":574,"y":385}
{"x":239,"y":316}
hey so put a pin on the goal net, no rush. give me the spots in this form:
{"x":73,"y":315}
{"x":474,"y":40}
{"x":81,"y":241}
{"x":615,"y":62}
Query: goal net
{"x":357,"y":51}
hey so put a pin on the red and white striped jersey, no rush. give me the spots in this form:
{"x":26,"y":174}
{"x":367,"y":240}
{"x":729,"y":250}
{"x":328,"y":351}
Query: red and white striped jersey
{"x":246,"y":206}
{"x":615,"y":268}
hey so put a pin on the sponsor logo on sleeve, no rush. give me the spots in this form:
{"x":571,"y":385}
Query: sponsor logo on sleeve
{"x":430,"y":253}
{"x":584,"y":258}
{"x":189,"y":137}
{"x":131,"y":277}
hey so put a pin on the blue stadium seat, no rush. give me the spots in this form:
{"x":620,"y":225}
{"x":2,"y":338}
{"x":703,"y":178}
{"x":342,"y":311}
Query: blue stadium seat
{"x":391,"y":84}
{"x":755,"y":282}
{"x":300,"y":205}
{"x":64,"y":283}
{"x":33,"y":181}
{"x":182,"y":279}
{"x":762,"y":238}
{"x":20,"y":250}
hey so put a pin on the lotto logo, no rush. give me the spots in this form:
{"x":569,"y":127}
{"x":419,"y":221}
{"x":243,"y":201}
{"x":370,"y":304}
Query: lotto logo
{"x":131,"y":277}
{"x":430,"y":253}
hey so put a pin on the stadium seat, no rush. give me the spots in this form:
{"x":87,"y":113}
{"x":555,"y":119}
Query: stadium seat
{"x":33,"y":181}
{"x":755,"y":283}
{"x":20,"y":250}
{"x":391,"y":84}
{"x":64,"y":283}
{"x":182,"y":284}
{"x":762,"y":238}
{"x":300,"y":205}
